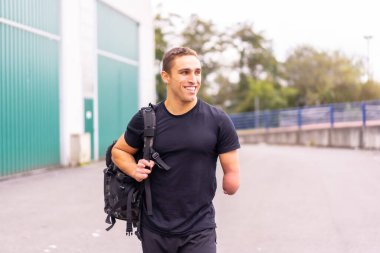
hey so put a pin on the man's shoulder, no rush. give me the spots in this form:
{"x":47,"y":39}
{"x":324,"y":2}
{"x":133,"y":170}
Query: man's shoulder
{"x":159,"y":106}
{"x":211,"y":109}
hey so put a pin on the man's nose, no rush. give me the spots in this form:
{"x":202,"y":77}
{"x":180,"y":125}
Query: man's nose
{"x":192,"y":78}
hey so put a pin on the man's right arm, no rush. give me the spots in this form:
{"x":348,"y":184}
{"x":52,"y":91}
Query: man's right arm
{"x":122,"y":156}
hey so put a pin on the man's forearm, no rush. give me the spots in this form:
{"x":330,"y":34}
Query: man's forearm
{"x":231,"y":182}
{"x":125,"y":161}
{"x":231,"y":170}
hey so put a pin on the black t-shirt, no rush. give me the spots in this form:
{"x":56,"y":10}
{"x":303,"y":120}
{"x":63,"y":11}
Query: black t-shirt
{"x":190,"y":144}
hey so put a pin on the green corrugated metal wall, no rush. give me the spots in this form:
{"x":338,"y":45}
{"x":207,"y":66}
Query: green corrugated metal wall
{"x":117,"y":33}
{"x":117,"y":79}
{"x":39,"y":14}
{"x":29,"y":86}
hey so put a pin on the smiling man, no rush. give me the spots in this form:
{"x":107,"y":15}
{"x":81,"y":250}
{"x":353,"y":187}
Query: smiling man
{"x":190,"y":136}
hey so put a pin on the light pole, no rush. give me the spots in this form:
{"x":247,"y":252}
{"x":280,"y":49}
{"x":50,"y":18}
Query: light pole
{"x":368,"y":38}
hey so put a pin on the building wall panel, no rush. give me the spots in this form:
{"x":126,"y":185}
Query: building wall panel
{"x":39,"y":14}
{"x":118,"y":100}
{"x":117,"y":33}
{"x":118,"y":73}
{"x":29,"y":86}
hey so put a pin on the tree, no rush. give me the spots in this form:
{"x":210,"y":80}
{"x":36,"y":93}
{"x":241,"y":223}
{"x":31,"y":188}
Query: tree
{"x":202,"y":36}
{"x":255,"y":63}
{"x":160,"y":48}
{"x":266,"y":92}
{"x":239,"y":68}
{"x":370,"y":91}
{"x":224,"y":97}
{"x":164,"y":30}
{"x":322,"y":77}
{"x":256,"y":58}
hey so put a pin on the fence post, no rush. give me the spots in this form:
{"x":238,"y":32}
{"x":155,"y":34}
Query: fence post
{"x":364,"y":114}
{"x":332,"y":119}
{"x":363,"y":129}
{"x":266,"y":120}
{"x":299,"y":118}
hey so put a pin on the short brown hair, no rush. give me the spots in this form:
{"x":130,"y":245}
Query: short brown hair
{"x":167,"y":61}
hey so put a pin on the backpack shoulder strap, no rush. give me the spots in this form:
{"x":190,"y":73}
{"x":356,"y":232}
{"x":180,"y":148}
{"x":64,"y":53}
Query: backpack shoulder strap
{"x":149,"y":131}
{"x":149,"y":117}
{"x":149,"y":127}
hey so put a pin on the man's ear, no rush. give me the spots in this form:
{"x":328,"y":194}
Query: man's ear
{"x":165,"y":77}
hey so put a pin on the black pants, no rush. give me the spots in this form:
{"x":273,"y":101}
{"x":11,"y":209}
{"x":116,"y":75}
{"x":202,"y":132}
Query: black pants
{"x":201,"y":242}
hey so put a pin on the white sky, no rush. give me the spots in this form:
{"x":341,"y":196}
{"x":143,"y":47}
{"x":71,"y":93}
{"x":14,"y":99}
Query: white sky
{"x":323,"y":24}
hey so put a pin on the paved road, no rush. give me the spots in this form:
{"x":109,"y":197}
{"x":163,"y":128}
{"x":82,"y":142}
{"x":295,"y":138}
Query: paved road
{"x":291,"y":200}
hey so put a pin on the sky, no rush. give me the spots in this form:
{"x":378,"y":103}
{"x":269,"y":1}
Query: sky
{"x":324,"y":24}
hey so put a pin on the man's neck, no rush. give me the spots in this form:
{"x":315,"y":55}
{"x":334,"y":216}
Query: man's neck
{"x":178,"y":107}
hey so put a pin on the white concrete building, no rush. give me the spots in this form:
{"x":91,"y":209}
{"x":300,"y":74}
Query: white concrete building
{"x":87,"y":66}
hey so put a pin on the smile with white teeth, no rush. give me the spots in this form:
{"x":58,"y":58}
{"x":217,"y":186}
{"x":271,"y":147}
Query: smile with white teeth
{"x":190,"y":88}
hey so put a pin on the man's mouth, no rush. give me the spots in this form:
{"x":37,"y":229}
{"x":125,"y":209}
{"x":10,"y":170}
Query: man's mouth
{"x":190,"y":88}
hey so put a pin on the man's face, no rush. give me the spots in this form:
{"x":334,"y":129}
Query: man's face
{"x":184,"y":80}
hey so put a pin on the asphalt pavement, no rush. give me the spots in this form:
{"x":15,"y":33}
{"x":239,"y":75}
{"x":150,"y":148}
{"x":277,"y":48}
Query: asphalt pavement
{"x":291,"y":200}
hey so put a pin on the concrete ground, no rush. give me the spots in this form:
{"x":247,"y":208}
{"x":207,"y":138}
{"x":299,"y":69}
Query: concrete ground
{"x":291,"y":200}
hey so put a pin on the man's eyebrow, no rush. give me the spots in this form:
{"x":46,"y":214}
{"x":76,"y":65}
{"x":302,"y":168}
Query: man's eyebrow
{"x":183,"y":69}
{"x":187,"y":69}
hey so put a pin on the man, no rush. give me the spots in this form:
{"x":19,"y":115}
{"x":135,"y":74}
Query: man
{"x":190,"y":136}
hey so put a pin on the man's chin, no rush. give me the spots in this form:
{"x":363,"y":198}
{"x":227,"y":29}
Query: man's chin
{"x":191,"y":99}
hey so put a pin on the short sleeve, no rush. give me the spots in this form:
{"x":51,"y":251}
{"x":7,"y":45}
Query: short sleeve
{"x":135,"y":130}
{"x":227,"y":137}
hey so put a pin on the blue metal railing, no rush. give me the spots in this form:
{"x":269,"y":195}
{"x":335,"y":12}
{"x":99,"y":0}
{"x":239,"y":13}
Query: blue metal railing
{"x":329,"y":114}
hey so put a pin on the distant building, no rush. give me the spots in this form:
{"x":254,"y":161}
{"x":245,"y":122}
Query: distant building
{"x":68,"y":68}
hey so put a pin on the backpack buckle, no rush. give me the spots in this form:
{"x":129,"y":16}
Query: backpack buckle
{"x":159,"y":162}
{"x":155,"y":155}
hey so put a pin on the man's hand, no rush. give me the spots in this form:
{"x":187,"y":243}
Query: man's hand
{"x":122,"y":156}
{"x":141,"y":172}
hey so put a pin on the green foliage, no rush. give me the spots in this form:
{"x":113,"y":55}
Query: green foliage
{"x":225,"y":97}
{"x":201,"y":36}
{"x":265,"y":95}
{"x":160,"y":49}
{"x":307,"y":77}
{"x":370,"y":91}
{"x":160,"y":88}
{"x":322,"y":77}
{"x":257,"y":68}
{"x":161,"y":46}
{"x":255,"y":53}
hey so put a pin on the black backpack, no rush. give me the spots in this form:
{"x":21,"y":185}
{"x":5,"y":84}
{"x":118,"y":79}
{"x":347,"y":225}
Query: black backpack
{"x":123,"y":195}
